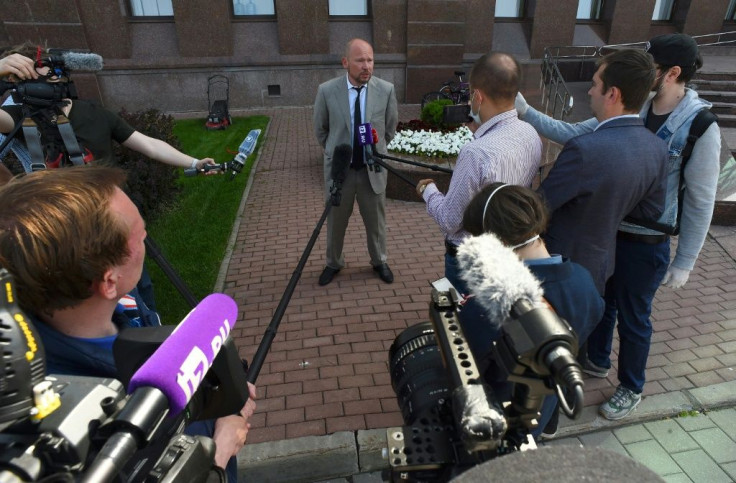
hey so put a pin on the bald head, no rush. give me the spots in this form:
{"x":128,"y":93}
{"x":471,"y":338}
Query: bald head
{"x":497,"y":75}
{"x":358,"y":61}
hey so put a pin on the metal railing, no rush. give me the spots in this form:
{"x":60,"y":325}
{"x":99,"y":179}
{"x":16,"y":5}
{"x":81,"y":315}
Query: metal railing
{"x":557,"y":101}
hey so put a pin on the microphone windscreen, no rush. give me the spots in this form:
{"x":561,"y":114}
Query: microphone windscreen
{"x":495,"y":276}
{"x":341,"y":158}
{"x":249,"y":143}
{"x":82,"y":61}
{"x":180,"y":364}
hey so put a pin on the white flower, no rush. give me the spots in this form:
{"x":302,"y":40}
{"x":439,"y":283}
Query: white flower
{"x":430,"y":143}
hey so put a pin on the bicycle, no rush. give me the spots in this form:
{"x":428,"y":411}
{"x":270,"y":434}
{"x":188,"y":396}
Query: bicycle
{"x":458,"y":92}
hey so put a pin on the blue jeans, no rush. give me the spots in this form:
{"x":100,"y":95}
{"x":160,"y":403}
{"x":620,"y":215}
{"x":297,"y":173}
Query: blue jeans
{"x":639,"y":270}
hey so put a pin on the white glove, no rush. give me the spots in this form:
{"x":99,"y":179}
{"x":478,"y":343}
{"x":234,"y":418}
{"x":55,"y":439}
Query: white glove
{"x":520,"y":104}
{"x":675,"y":277}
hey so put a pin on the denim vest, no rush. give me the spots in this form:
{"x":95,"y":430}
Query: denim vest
{"x":674,"y":132}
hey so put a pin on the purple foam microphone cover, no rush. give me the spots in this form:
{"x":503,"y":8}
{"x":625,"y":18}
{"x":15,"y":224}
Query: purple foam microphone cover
{"x":179,"y":365}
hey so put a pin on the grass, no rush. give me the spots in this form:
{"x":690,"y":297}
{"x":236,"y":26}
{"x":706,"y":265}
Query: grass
{"x":193,"y":234}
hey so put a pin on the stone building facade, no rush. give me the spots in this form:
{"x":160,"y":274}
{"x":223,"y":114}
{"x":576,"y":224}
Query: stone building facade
{"x":278,"y":59}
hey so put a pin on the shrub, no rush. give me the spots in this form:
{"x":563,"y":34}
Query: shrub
{"x":151,"y":184}
{"x":433,"y":112}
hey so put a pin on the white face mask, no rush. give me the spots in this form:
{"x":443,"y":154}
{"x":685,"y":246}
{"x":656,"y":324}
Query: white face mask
{"x":475,"y":115}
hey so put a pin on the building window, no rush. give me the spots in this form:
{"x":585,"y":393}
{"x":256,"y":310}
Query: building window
{"x":663,"y":10}
{"x":509,"y":8}
{"x":589,"y":9}
{"x":353,"y":8}
{"x":253,"y":7}
{"x":151,"y":8}
{"x":731,"y":12}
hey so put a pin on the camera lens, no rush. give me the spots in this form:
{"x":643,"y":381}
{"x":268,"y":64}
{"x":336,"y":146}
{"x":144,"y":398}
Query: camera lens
{"x":418,"y":375}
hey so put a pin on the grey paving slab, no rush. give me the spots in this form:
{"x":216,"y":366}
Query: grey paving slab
{"x":700,"y":467}
{"x":715,"y":395}
{"x":677,"y":478}
{"x":717,"y":444}
{"x":632,"y":434}
{"x":730,"y":468}
{"x":373,"y":477}
{"x":726,"y":420}
{"x":653,"y":456}
{"x":371,"y":444}
{"x":671,"y":436}
{"x":693,"y":423}
{"x":604,"y":440}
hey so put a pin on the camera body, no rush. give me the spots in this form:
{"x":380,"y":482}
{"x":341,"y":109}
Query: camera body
{"x":453,"y":419}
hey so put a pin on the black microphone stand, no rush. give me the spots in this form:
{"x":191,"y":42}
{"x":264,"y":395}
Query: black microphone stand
{"x":260,"y":356}
{"x":413,"y":163}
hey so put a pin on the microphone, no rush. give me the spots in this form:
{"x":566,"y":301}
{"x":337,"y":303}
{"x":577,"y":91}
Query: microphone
{"x":245,"y":149}
{"x":513,"y":299}
{"x":71,"y":60}
{"x":367,"y":137}
{"x":165,"y":383}
{"x":496,"y":276}
{"x":179,"y":365}
{"x":341,"y":157}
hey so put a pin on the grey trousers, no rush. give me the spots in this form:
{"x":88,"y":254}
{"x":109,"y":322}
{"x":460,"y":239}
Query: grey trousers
{"x":372,"y":210}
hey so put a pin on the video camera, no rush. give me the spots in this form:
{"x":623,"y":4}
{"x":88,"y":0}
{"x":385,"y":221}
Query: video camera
{"x":453,"y":419}
{"x":60,"y":427}
{"x":39,"y":93}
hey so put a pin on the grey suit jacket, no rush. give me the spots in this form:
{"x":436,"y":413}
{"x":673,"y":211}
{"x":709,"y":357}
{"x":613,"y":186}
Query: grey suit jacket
{"x":332,"y":124}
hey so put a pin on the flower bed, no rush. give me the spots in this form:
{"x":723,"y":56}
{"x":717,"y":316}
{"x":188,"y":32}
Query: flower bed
{"x":418,"y":139}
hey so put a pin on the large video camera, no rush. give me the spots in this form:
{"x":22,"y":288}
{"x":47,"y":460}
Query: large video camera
{"x":453,"y":419}
{"x":60,"y":428}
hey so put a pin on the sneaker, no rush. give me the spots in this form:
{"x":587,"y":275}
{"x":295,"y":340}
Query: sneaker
{"x":594,"y":370}
{"x":620,"y":405}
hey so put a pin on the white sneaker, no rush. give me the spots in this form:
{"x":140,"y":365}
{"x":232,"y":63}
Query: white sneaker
{"x":620,"y":405}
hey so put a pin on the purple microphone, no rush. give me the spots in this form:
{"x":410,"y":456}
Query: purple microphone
{"x":180,"y":364}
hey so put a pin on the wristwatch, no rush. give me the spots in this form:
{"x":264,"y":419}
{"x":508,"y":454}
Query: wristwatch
{"x":422,"y":188}
{"x":195,"y":161}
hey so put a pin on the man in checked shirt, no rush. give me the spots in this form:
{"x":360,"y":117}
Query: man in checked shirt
{"x":504,"y":149}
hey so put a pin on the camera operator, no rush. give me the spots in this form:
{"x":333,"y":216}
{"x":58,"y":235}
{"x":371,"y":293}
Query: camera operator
{"x":73,"y":241}
{"x":517,"y":216}
{"x":94,"y":126}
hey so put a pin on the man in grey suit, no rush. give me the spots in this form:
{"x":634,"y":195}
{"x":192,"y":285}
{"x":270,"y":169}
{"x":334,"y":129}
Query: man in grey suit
{"x":341,"y":104}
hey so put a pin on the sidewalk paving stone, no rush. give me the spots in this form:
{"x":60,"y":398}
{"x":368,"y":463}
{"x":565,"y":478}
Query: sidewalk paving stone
{"x":654,"y":456}
{"x":717,"y":444}
{"x":671,"y":436}
{"x":700,"y":467}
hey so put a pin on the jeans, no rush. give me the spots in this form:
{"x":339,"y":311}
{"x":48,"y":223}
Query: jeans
{"x":640,"y":268}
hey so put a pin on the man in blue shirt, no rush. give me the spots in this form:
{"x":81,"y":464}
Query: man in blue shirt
{"x":73,"y":242}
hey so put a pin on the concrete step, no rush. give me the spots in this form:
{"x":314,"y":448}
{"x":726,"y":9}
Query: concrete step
{"x":714,"y":85}
{"x":720,"y":108}
{"x":714,"y":75}
{"x":727,"y":120}
{"x":718,"y":96}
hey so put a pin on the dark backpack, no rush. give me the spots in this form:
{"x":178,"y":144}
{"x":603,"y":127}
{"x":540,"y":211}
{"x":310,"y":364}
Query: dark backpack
{"x":700,"y":124}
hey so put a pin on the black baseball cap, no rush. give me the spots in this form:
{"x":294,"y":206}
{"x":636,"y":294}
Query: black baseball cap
{"x":673,"y":49}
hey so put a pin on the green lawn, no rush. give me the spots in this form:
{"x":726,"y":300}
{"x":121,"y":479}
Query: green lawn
{"x":193,"y":234}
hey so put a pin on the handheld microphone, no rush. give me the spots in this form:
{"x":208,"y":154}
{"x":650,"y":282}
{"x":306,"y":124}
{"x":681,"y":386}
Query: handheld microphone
{"x":245,"y":149}
{"x":341,"y":158}
{"x":165,"y":383}
{"x":513,"y":299}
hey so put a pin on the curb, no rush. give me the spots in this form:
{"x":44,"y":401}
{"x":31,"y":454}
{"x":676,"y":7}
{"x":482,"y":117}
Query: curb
{"x":222,"y":273}
{"x":346,"y":453}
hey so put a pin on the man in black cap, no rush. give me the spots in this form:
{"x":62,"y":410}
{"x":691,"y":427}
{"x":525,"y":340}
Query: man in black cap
{"x":643,"y":254}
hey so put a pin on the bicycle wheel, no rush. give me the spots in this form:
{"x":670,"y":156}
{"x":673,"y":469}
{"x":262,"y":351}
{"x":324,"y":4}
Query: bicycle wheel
{"x":433,"y":96}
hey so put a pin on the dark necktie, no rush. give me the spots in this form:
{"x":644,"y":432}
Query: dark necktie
{"x":357,"y":161}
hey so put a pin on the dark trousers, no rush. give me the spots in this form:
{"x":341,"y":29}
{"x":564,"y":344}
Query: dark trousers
{"x":640,"y":268}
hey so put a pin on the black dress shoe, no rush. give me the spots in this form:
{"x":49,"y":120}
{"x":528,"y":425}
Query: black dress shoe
{"x":384,"y":272}
{"x":327,"y":275}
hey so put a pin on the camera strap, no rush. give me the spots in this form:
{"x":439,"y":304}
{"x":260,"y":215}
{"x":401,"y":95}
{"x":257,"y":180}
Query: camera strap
{"x":50,"y":121}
